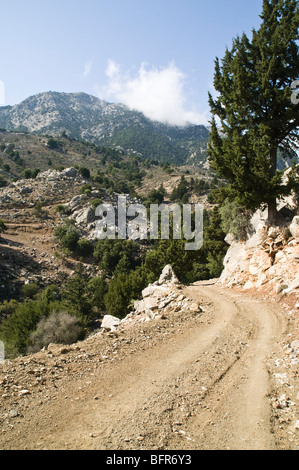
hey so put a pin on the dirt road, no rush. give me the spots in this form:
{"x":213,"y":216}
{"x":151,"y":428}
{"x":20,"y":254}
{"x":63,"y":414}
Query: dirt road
{"x":194,"y":382}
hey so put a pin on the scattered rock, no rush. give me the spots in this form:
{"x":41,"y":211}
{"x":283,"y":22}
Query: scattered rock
{"x":159,"y":297}
{"x":69,"y":173}
{"x":13,"y":413}
{"x":57,"y":349}
{"x":22,"y":393}
{"x":110,"y":323}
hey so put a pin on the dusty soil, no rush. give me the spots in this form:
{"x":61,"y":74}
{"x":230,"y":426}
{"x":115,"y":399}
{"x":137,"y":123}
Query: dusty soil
{"x":184,"y":381}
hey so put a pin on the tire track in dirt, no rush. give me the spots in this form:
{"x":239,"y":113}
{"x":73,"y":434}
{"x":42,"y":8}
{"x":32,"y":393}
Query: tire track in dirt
{"x":203,"y":387}
{"x":238,"y":399}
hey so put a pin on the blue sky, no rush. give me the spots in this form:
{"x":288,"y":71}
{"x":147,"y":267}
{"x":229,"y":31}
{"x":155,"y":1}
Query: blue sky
{"x":155,"y":55}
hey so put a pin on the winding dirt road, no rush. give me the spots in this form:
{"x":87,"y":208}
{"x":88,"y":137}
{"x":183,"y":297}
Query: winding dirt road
{"x":191,"y":383}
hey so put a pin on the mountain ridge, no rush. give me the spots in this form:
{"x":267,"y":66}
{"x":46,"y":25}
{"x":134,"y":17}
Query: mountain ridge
{"x":83,"y":116}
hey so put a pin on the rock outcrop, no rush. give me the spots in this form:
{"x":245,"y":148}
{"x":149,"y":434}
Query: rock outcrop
{"x":268,"y":260}
{"x":157,"y":299}
{"x":110,"y":323}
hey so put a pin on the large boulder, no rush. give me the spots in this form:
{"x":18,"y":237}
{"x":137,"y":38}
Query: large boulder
{"x":168,"y":276}
{"x":86,"y":216}
{"x":70,"y":173}
{"x":110,"y":323}
{"x":76,"y":202}
{"x":236,"y":262}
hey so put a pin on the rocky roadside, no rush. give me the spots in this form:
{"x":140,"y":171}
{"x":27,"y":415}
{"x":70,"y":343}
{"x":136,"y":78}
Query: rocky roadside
{"x":28,"y":382}
{"x":267,"y":266}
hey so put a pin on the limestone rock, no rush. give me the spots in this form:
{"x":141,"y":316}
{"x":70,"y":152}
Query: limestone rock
{"x":86,"y":216}
{"x":26,"y":190}
{"x":269,"y":259}
{"x":168,"y":276}
{"x":76,"y":201}
{"x":70,"y":173}
{"x":110,"y":323}
{"x":154,"y":290}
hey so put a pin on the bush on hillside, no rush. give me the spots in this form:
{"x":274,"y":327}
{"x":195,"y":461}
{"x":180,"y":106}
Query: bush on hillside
{"x":16,"y":329}
{"x":60,"y":328}
{"x":30,"y":290}
{"x":235,"y":220}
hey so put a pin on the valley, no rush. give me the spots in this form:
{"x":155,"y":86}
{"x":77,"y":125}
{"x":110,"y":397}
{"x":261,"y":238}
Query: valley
{"x":149,"y":228}
{"x":175,"y":371}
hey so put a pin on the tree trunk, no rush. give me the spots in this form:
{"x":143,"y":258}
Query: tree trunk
{"x":272,"y":212}
{"x":272,"y":208}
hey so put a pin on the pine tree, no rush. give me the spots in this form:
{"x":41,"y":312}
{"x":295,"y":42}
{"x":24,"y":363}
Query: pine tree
{"x":76,"y":293}
{"x":255,"y":110}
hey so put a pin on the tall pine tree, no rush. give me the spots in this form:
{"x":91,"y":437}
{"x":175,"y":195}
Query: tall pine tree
{"x":257,"y":118}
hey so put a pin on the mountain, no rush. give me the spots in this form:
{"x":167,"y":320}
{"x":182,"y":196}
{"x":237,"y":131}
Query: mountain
{"x":85,"y":117}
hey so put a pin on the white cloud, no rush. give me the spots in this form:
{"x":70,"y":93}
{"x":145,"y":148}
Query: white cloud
{"x":87,"y":68}
{"x":157,"y":92}
{"x":112,"y":69}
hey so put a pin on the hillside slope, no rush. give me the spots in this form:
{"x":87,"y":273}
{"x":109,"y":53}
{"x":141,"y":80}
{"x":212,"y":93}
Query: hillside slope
{"x":86,"y":117}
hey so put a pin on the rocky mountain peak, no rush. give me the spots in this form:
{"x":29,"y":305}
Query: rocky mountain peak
{"x":86,"y":117}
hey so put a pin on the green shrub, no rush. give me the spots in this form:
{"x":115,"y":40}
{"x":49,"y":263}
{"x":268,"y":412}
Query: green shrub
{"x":51,"y":293}
{"x":97,"y":288}
{"x":39,"y":212}
{"x":122,"y":290}
{"x":7,"y":308}
{"x":53,"y":144}
{"x":61,"y":209}
{"x":84,"y":172}
{"x":109,"y":254}
{"x":235,"y":220}
{"x":30,"y":290}
{"x":169,"y":252}
{"x":67,"y":236}
{"x":60,"y":328}
{"x":96,"y":202}
{"x":86,"y":189}
{"x":84,"y":247}
{"x":155,"y":196}
{"x":27,"y":173}
{"x":70,"y":240}
{"x":15,"y":330}
{"x":77,"y":295}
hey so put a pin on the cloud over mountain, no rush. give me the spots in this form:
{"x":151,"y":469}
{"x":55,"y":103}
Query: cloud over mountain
{"x":157,"y":92}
